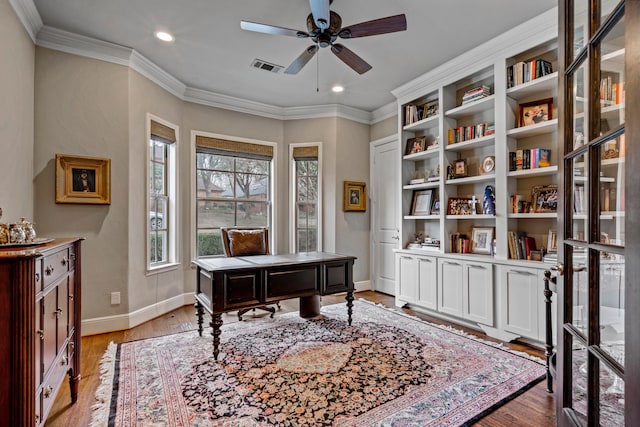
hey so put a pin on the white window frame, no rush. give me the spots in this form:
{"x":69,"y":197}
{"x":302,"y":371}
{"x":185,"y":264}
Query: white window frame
{"x":273,"y":239}
{"x":172,"y":193}
{"x":293,"y":234}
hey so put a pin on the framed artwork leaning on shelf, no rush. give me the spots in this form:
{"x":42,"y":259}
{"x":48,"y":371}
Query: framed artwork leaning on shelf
{"x":459,"y":168}
{"x":430,"y":109}
{"x":481,"y":240}
{"x":552,"y":241}
{"x":531,"y":113}
{"x":416,"y":145}
{"x":460,"y":206}
{"x":421,"y":204}
{"x":544,"y":198}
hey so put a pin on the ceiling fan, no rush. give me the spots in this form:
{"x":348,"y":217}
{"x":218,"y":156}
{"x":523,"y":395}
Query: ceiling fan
{"x":324,"y":27}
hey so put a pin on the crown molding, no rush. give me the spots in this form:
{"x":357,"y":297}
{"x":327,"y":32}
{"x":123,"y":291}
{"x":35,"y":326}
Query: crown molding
{"x":76,"y":44}
{"x":526,"y":35}
{"x":28,"y":16}
{"x":384,"y":112}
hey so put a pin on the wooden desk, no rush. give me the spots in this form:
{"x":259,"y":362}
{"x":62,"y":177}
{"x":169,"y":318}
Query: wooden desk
{"x":229,"y":284}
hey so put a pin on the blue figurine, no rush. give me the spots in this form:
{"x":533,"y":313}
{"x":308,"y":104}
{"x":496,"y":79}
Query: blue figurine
{"x":489,"y":202}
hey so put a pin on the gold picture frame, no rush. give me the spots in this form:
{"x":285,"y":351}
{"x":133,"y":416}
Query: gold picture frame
{"x":83,"y":180}
{"x":354,"y":196}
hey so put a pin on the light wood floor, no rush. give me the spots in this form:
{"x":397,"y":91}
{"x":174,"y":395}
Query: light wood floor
{"x":533,"y":408}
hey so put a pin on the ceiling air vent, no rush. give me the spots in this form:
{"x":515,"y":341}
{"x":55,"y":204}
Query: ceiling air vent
{"x":267,"y":66}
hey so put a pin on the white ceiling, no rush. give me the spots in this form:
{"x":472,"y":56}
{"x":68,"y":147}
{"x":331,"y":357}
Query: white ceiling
{"x":212,"y":53}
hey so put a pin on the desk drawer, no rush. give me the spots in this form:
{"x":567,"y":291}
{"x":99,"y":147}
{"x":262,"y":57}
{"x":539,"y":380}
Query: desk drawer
{"x":241,"y":289}
{"x":292,"y":282}
{"x":337,"y":278}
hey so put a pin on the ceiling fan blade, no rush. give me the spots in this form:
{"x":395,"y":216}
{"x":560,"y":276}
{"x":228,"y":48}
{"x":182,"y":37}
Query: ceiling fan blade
{"x":271,"y":29}
{"x":301,"y":60}
{"x":347,"y":56}
{"x":390,"y":24}
{"x":320,"y":12}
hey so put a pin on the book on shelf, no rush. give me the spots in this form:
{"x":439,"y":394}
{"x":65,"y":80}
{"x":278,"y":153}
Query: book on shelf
{"x":610,"y":91}
{"x":524,"y":72}
{"x":531,"y":158}
{"x":476,"y":93}
{"x":460,"y":243}
{"x":520,"y":245}
{"x":467,"y":133}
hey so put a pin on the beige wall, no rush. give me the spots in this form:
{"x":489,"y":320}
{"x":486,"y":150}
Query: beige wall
{"x":16,"y":117}
{"x":81,"y":108}
{"x":93,"y":108}
{"x":384,"y":128}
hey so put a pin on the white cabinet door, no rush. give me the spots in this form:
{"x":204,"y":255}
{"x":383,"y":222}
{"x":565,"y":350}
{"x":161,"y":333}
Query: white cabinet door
{"x":523,"y":299}
{"x":478,"y":292}
{"x":407,"y":283}
{"x":450,"y":282}
{"x":428,"y":282}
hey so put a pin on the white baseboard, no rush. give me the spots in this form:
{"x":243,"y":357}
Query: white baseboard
{"x":364,"y":285}
{"x":101,"y":325}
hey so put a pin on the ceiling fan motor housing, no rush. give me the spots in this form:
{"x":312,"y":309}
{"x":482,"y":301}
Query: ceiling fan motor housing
{"x":327,"y":36}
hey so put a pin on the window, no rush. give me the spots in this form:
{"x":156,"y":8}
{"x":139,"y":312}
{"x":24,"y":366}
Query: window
{"x":305,"y":193}
{"x":233,"y":188}
{"x":161,"y":247}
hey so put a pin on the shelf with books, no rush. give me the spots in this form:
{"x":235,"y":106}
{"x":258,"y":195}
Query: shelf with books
{"x":483,"y":141}
{"x":533,"y":215}
{"x":533,"y":130}
{"x":471,"y":179}
{"x":471,"y":217}
{"x":534,"y":87}
{"x":434,"y":184}
{"x":528,"y":173}
{"x":427,"y":123}
{"x":474,"y":107}
{"x":429,"y":152}
{"x":423,"y":217}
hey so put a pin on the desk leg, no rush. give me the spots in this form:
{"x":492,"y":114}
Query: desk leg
{"x":216,"y":323}
{"x":349,"y":299}
{"x":199,"y":315}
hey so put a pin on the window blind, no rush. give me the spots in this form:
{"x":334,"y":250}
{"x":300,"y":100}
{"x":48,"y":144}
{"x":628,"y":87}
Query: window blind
{"x":225,"y":147}
{"x":162,"y":131}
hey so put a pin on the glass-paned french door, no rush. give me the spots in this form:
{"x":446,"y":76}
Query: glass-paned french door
{"x":593,"y":314}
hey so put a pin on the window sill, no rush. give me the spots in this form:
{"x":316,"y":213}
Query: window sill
{"x":162,"y":268}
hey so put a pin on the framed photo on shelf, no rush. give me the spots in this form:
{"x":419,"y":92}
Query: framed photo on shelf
{"x":481,"y":240}
{"x":416,"y":145}
{"x":460,"y":206}
{"x":355,"y":196}
{"x":430,"y":109}
{"x":544,"y":198}
{"x":421,"y":204}
{"x":459,"y":168}
{"x":435,"y":209}
{"x":83,"y":180}
{"x":531,"y":113}
{"x":487,"y":165}
{"x":552,"y":241}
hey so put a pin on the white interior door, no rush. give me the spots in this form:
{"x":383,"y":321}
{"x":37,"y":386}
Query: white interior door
{"x":385,"y":222}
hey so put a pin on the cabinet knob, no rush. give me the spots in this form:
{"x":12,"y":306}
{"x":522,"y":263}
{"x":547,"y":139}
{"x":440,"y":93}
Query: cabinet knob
{"x":40,"y":333}
{"x":395,"y":238}
{"x":71,"y":297}
{"x":49,"y":270}
{"x":47,"y":391}
{"x":37,"y":277}
{"x":58,"y":312}
{"x":63,"y":261}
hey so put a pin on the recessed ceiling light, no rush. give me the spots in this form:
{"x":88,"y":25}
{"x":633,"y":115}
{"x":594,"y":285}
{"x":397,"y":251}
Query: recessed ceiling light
{"x":164,"y":36}
{"x":337,"y":88}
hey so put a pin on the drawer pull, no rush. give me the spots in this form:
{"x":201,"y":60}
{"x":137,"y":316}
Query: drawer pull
{"x":522,"y":273}
{"x":58,"y":312}
{"x":49,"y":270}
{"x":477,"y":266}
{"x":47,"y":391}
{"x":450,"y":263}
{"x":40,"y":333}
{"x":37,"y":418}
{"x":37,"y":277}
{"x":63,"y":261}
{"x":71,"y":297}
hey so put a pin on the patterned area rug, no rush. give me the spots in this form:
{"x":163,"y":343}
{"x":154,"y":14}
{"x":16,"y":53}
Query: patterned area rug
{"x":386,"y":369}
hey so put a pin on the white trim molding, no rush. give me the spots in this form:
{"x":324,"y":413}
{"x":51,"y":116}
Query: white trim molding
{"x":101,"y":325}
{"x":28,"y":15}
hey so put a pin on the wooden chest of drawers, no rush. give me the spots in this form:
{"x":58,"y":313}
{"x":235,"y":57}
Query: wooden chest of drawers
{"x":39,"y":328}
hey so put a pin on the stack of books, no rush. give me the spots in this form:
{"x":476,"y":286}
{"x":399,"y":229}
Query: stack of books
{"x":460,"y":243}
{"x":466,"y":133}
{"x":523,"y":72}
{"x":475,"y":94}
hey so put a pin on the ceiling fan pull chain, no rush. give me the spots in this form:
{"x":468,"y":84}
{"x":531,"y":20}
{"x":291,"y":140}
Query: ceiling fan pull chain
{"x":318,"y":71}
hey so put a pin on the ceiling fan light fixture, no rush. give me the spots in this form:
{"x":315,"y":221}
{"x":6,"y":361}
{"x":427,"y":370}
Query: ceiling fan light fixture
{"x":164,"y":36}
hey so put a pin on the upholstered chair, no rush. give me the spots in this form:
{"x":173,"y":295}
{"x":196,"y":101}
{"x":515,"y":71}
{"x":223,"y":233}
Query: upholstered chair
{"x":247,"y":241}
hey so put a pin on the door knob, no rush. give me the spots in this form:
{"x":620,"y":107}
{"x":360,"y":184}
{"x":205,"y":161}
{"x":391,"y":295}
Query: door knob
{"x":558,"y":268}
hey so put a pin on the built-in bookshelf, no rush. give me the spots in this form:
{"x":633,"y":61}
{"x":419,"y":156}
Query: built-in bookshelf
{"x":495,"y":104}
